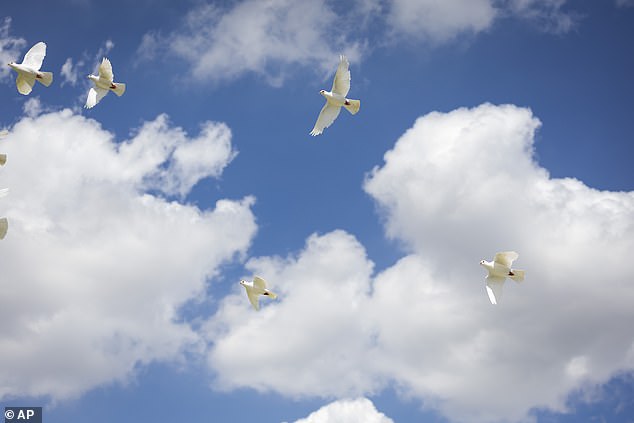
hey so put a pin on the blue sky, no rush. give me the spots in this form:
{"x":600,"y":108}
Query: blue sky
{"x":485,"y":125}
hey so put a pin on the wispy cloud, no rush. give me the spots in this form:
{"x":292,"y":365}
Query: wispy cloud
{"x":254,"y":36}
{"x":624,"y":3}
{"x":269,"y":37}
{"x":10,"y":48}
{"x":548,"y":15}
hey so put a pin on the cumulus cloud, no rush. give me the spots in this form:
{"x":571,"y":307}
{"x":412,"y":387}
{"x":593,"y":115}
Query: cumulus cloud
{"x":310,"y":338}
{"x":10,"y":48}
{"x":166,"y":159}
{"x":254,"y":36}
{"x":95,"y":267}
{"x":456,"y":188}
{"x":360,"y":410}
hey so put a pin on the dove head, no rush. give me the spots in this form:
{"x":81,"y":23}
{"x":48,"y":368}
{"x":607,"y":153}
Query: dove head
{"x":485,"y":264}
{"x":243,"y":282}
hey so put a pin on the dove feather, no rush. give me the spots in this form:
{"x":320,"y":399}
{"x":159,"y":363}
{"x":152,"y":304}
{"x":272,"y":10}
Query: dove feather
{"x":326,"y":117}
{"x":105,"y":70}
{"x":506,"y":258}
{"x":341,"y":83}
{"x":35,"y":56}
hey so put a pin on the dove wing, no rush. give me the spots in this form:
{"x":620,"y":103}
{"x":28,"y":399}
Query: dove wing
{"x":506,"y":258}
{"x":105,"y":70}
{"x":25,"y":83}
{"x":259,"y":282}
{"x":35,"y":56}
{"x":253,"y":298}
{"x":494,"y":288}
{"x":341,"y":84}
{"x":95,"y":95}
{"x":326,"y":117}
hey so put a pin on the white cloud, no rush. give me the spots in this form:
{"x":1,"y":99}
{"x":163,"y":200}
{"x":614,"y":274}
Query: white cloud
{"x":624,"y":3}
{"x":303,"y":344}
{"x":546,"y":14}
{"x":69,"y":72}
{"x":95,"y":268}
{"x":173,"y":163}
{"x":440,"y":20}
{"x":456,"y":188}
{"x":263,"y":37}
{"x":32,"y":107}
{"x":360,"y":410}
{"x":10,"y":48}
{"x":270,"y":37}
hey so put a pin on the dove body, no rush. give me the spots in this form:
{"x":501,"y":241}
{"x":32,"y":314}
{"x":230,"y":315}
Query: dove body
{"x":29,"y":70}
{"x":255,"y":289}
{"x":100,"y":82}
{"x":104,"y":83}
{"x":498,"y":270}
{"x":336,"y":98}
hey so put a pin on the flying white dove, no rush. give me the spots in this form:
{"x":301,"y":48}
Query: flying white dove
{"x":4,"y":227}
{"x":255,"y":289}
{"x":499,"y":269}
{"x":3,"y":157}
{"x":335,"y":98}
{"x":4,"y":223}
{"x":29,"y":70}
{"x":103,"y":84}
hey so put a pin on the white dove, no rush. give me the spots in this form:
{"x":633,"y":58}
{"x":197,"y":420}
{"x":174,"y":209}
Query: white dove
{"x":499,"y":269}
{"x":255,"y":289}
{"x":103,"y":84}
{"x":3,"y":157}
{"x":4,"y":223}
{"x":4,"y":227}
{"x":336,"y":98}
{"x":29,"y":70}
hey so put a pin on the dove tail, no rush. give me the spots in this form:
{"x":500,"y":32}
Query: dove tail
{"x":518,"y":275}
{"x":273,"y":295}
{"x":353,"y":106}
{"x":46,"y":78}
{"x":119,"y":89}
